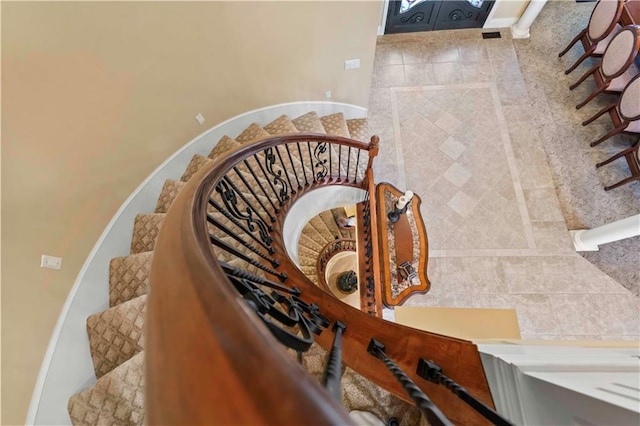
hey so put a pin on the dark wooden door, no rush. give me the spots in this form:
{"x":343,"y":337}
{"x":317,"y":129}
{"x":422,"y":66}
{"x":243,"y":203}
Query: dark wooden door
{"x":406,"y":16}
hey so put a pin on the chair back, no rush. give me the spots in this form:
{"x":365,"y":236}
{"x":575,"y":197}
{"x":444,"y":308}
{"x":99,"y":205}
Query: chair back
{"x":604,"y":18}
{"x":621,"y":52}
{"x":629,"y":103}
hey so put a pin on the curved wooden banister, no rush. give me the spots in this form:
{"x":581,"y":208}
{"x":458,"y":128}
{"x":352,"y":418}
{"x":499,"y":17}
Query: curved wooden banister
{"x":328,"y":251}
{"x":210,"y":360}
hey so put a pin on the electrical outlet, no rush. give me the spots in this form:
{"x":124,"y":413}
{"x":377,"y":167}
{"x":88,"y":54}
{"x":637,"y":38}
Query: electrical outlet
{"x":51,"y":262}
{"x":327,"y":94}
{"x":352,"y":64}
{"x":200,"y":118}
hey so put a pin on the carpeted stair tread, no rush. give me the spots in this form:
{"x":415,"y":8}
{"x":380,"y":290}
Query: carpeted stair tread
{"x":145,"y":231}
{"x":346,"y":233}
{"x":310,"y":231}
{"x":358,"y":393}
{"x":309,"y":242}
{"x":251,"y":134}
{"x":224,"y":144}
{"x":330,"y":222}
{"x":197,"y":162}
{"x":169,"y":192}
{"x":117,"y":398}
{"x":116,"y":334}
{"x":359,"y":129}
{"x":335,"y":124}
{"x":309,"y":123}
{"x":129,"y":277}
{"x":281,"y":126}
{"x":320,"y":226}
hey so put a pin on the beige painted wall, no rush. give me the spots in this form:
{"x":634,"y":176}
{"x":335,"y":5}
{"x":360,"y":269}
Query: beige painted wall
{"x":510,"y":8}
{"x":96,"y":95}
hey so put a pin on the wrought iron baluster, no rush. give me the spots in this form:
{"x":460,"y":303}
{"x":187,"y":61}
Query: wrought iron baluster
{"x":304,"y":169}
{"x":275,"y":209}
{"x":321,"y":164}
{"x":285,"y":168}
{"x":236,"y":222}
{"x":269,"y":162}
{"x":333,"y":370}
{"x":241,"y":273}
{"x":339,"y":162}
{"x":330,"y":159}
{"x":428,"y":408}
{"x":433,"y":372}
{"x":239,"y":239}
{"x":230,"y":201}
{"x":313,"y":174}
{"x":250,"y":188}
{"x":348,"y":163}
{"x":295,"y":172}
{"x":355,"y":178}
{"x":278,"y":195}
{"x":230,"y":249}
{"x":250,"y":207}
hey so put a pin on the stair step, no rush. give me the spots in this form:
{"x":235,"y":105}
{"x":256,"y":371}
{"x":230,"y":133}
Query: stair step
{"x":335,"y":124}
{"x":117,"y":398}
{"x":359,"y":129}
{"x":129,"y":277}
{"x":224,"y":144}
{"x":310,"y":231}
{"x":169,"y":192}
{"x":345,"y":233}
{"x":327,"y":235}
{"x":330,"y":222}
{"x":309,"y":242}
{"x":116,"y":334}
{"x":309,"y":123}
{"x":359,"y":393}
{"x":251,"y":134}
{"x":197,"y":162}
{"x":281,"y":126}
{"x":145,"y":231}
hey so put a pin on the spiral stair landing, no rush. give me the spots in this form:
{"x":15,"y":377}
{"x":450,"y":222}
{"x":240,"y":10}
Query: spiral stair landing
{"x":116,"y":335}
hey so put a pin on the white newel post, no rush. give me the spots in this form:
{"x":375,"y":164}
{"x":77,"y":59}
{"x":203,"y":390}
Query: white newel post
{"x":521,"y":28}
{"x":590,"y":239}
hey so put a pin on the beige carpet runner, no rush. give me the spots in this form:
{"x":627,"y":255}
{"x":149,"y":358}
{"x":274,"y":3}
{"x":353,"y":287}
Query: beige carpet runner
{"x":116,"y":335}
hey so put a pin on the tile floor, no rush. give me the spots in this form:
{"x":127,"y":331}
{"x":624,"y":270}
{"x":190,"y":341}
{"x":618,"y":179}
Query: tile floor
{"x":452,"y":113}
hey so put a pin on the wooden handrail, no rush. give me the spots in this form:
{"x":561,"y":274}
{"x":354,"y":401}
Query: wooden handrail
{"x":328,"y":251}
{"x":209,"y":360}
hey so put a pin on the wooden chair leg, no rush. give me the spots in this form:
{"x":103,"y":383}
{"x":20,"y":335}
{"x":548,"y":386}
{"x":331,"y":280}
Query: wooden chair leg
{"x":598,"y":114}
{"x":608,"y":135}
{"x":574,"y":41}
{"x":583,"y":78}
{"x":622,"y":182}
{"x":580,"y":60}
{"x":615,"y":157}
{"x":590,"y":97}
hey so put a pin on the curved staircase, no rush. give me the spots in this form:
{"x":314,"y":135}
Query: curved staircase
{"x":116,"y":336}
{"x":229,"y":310}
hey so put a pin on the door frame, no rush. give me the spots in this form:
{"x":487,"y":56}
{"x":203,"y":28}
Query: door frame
{"x":505,"y":22}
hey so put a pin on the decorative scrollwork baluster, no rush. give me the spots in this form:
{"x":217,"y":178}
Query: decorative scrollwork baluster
{"x":230,"y":201}
{"x":279,"y":312}
{"x":320,"y":164}
{"x":269,"y":162}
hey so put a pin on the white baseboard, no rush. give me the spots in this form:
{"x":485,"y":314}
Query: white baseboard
{"x":499,"y":22}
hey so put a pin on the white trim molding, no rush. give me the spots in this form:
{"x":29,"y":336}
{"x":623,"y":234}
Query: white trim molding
{"x":562,"y":385}
{"x":590,"y":239}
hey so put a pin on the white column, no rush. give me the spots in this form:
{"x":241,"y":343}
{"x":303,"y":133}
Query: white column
{"x":590,"y":239}
{"x":521,"y":28}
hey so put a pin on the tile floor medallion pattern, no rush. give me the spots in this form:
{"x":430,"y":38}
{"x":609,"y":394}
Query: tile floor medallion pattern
{"x":453,"y":114}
